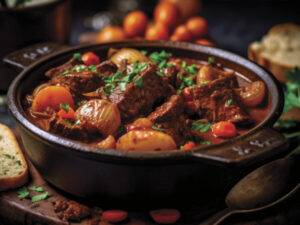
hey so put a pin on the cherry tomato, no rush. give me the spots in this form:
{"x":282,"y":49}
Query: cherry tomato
{"x":135,"y":23}
{"x":165,"y":216}
{"x":114,"y":216}
{"x":187,"y":8}
{"x":186,"y":93}
{"x":167,"y":13}
{"x":190,"y":107}
{"x":224,"y":129}
{"x":157,"y":32}
{"x":188,"y":146}
{"x":67,"y":115}
{"x":198,"y":26}
{"x":182,"y":33}
{"x":203,"y":41}
{"x":89,"y":58}
{"x":111,"y":33}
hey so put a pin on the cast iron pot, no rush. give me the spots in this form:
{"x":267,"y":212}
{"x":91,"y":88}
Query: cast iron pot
{"x":99,"y":174}
{"x":20,"y":27}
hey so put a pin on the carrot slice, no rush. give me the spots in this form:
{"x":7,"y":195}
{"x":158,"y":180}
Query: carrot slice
{"x":52,"y":97}
{"x":114,"y":216}
{"x":188,"y":146}
{"x":70,"y":114}
{"x":165,"y":216}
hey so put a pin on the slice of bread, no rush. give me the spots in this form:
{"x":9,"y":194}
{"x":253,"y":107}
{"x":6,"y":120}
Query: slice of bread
{"x":13,"y":166}
{"x":279,"y":50}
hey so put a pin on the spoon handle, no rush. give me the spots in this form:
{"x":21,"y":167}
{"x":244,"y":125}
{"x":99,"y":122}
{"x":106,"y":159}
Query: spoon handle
{"x":218,"y":217}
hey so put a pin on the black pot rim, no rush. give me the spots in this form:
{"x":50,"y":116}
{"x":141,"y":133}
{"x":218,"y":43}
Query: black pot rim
{"x":84,"y":150}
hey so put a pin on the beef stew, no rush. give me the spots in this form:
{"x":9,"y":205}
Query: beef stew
{"x":146,"y":102}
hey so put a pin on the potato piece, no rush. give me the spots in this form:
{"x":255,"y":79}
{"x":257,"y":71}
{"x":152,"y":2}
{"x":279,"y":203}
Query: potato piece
{"x":146,"y":140}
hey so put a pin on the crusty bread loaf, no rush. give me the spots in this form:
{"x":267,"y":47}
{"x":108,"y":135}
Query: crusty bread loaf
{"x":13,"y":166}
{"x":279,"y":50}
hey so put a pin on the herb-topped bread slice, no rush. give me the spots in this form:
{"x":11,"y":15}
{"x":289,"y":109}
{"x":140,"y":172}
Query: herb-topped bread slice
{"x":13,"y":167}
{"x":279,"y":50}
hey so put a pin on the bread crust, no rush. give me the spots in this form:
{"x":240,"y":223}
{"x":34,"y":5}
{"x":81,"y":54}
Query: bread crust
{"x":19,"y":180}
{"x":276,"y":67}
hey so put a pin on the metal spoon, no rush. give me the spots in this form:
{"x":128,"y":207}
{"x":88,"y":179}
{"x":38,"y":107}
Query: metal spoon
{"x":264,"y":187}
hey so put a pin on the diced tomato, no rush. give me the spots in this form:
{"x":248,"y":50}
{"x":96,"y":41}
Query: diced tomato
{"x":165,"y":216}
{"x":89,"y":58}
{"x":67,"y":115}
{"x":224,"y":129}
{"x":188,"y":146}
{"x":190,"y":107}
{"x":114,"y":216}
{"x":186,"y":93}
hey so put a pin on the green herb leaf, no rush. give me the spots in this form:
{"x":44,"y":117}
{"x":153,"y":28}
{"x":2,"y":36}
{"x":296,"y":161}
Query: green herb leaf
{"x":192,"y":69}
{"x":211,"y":60}
{"x":229,"y":101}
{"x":139,"y":82}
{"x":79,"y":68}
{"x":80,"y":103}
{"x":19,"y":162}
{"x":293,"y":75}
{"x":64,"y":106}
{"x":40,"y":197}
{"x":35,"y":188}
{"x":158,"y":57}
{"x":143,"y":52}
{"x":8,"y":156}
{"x":77,"y":56}
{"x":157,"y":128}
{"x":202,"y":127}
{"x":23,"y":193}
{"x":205,"y":142}
{"x":93,"y":68}
{"x":65,"y":72}
{"x":161,"y":74}
{"x":202,"y":83}
{"x":285,"y":123}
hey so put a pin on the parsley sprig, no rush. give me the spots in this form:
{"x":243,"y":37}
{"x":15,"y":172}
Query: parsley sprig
{"x":186,"y":82}
{"x":24,"y":193}
{"x":192,"y":69}
{"x":201,"y":127}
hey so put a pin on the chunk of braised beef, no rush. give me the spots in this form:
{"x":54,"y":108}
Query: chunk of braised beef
{"x":137,"y":101}
{"x":79,"y":82}
{"x":70,"y":210}
{"x":169,"y":116}
{"x":57,"y":71}
{"x":69,"y":129}
{"x":171,"y":74}
{"x":107,"y":68}
{"x":217,"y":101}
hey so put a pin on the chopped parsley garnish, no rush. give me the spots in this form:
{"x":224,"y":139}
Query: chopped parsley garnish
{"x":157,"y":128}
{"x":79,"y":68}
{"x":229,"y":101}
{"x":9,"y":156}
{"x":40,"y":197}
{"x":159,"y":57}
{"x":143,"y":52}
{"x":108,"y":88}
{"x":139,"y":82}
{"x":64,"y":106}
{"x":35,"y":188}
{"x":93,"y":68}
{"x":65,"y":72}
{"x":77,"y":56}
{"x":205,"y":142}
{"x":186,"y":82}
{"x":19,"y":162}
{"x":23,"y":193}
{"x":161,"y":74}
{"x":162,"y":64}
{"x":204,"y":82}
{"x":192,"y":69}
{"x":202,"y":127}
{"x":211,"y":60}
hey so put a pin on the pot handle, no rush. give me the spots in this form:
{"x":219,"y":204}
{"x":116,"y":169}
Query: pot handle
{"x":255,"y":147}
{"x":22,"y":58}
